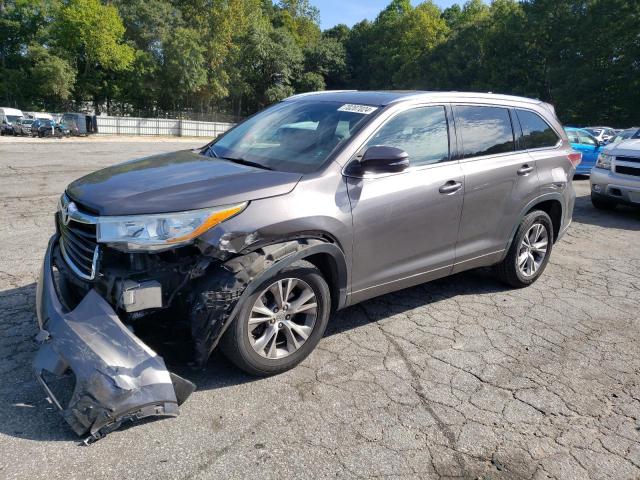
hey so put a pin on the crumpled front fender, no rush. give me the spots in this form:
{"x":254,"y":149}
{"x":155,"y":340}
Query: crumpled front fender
{"x":117,"y":377}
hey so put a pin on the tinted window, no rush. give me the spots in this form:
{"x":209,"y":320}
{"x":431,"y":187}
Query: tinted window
{"x":484,"y":130}
{"x":421,"y":132}
{"x":536,"y":133}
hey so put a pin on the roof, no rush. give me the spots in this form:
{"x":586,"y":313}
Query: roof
{"x":385,"y":97}
{"x":10,"y":111}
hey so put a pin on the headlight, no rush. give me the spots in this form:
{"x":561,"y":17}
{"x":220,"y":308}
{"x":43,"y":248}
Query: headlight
{"x":162,"y":231}
{"x":604,"y":161}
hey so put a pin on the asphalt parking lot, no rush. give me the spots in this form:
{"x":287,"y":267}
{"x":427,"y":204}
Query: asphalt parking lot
{"x":459,"y":378}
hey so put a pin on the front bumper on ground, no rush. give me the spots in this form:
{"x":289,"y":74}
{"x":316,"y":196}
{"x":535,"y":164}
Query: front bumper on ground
{"x":117,"y":377}
{"x":611,"y":186}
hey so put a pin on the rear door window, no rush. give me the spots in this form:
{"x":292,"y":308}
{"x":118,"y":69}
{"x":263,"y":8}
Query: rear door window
{"x":484,"y":130}
{"x":536,"y":133}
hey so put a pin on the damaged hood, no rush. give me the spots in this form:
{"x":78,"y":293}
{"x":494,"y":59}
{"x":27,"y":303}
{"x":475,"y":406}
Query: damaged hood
{"x":174,"y":182}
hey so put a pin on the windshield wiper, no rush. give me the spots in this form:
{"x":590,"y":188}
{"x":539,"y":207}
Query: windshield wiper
{"x":248,"y":163}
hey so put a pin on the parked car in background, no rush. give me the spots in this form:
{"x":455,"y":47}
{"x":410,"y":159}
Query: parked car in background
{"x":7,"y":118}
{"x":602,"y":134}
{"x":633,"y":132}
{"x":49,"y":128}
{"x":22,"y":126}
{"x":615,"y":179}
{"x":80,"y":123}
{"x":585,"y":143}
{"x":38,"y":115}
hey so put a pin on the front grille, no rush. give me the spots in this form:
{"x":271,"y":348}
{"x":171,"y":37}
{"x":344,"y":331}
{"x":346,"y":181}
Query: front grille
{"x":79,"y":247}
{"x":627,"y":159}
{"x":628,"y":170}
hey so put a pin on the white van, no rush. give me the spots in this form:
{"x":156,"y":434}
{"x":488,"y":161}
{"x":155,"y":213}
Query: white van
{"x":38,"y":115}
{"x":7,"y":117}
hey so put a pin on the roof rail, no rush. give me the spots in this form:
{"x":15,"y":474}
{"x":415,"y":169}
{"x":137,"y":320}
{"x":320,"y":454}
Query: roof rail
{"x":308,"y":94}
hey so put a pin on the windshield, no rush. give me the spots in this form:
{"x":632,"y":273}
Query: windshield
{"x":292,"y":136}
{"x":12,"y":118}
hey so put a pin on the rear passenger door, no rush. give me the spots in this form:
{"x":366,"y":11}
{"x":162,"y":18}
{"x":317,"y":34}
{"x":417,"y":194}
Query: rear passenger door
{"x":500,"y":179}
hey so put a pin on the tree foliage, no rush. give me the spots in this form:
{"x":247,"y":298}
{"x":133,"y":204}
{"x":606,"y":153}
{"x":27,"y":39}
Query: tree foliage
{"x":241,"y":55}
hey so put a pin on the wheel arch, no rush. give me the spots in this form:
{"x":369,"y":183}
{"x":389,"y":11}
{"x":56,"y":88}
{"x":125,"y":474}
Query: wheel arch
{"x":550,"y":202}
{"x":325,"y":255}
{"x":239,"y":277}
{"x":553,"y":208}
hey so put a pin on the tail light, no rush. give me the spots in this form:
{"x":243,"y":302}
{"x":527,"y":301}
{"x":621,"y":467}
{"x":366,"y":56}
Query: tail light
{"x":575,"y":158}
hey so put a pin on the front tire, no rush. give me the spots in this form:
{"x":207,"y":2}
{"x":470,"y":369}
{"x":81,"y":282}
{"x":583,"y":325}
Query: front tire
{"x":529,"y":252}
{"x":281,"y":323}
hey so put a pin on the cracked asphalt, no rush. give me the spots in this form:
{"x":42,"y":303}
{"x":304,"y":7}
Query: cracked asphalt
{"x":458,"y":378}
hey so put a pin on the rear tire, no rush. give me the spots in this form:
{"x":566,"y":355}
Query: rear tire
{"x":241,"y":343}
{"x":602,"y":203}
{"x":529,"y":252}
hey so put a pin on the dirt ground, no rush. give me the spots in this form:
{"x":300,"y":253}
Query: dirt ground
{"x":459,"y":378}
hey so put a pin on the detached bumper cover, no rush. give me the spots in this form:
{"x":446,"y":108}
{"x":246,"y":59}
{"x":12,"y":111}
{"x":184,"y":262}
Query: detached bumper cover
{"x":117,"y":377}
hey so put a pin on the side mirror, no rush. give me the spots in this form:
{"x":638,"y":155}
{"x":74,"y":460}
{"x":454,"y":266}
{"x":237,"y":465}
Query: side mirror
{"x":382,"y":159}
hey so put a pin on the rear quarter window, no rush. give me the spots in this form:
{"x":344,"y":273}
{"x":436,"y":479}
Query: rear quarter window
{"x":536,"y":133}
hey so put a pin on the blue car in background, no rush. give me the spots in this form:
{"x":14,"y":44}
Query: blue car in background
{"x":585,"y":143}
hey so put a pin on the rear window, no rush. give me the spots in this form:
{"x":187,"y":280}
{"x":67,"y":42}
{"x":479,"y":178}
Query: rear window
{"x":536,"y":133}
{"x":484,"y":130}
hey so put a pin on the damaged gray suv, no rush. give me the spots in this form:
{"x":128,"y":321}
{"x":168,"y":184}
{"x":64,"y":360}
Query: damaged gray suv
{"x":314,"y":204}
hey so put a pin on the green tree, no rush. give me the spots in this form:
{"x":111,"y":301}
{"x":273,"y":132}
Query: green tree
{"x":91,"y":35}
{"x":184,"y":68}
{"x":266,"y":65}
{"x":325,"y":63}
{"x":389,"y":51}
{"x":52,"y":78}
{"x":581,"y":55}
{"x":340,"y":33}
{"x":300,"y":19}
{"x":22,"y":23}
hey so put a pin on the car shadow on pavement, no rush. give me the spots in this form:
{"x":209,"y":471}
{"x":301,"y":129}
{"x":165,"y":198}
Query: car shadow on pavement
{"x":623,"y":217}
{"x":473,"y":282}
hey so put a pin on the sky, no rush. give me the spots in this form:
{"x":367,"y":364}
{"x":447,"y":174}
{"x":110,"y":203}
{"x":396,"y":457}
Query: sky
{"x":351,"y":12}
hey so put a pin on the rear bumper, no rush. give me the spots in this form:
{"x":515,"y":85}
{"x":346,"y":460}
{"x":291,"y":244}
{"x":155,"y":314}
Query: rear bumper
{"x":614,"y":187}
{"x":117,"y":377}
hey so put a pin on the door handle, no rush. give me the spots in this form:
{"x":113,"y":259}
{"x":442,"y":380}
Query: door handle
{"x":450,"y":187}
{"x":525,"y":170}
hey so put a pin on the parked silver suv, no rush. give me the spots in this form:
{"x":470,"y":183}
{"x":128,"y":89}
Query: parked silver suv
{"x":317,"y":203}
{"x":615,"y":179}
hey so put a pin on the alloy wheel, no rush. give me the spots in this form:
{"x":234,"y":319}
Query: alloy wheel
{"x":282,"y":318}
{"x":533,"y":250}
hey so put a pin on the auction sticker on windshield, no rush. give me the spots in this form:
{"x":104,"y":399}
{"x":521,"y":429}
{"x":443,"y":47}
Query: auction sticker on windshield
{"x":364,"y":109}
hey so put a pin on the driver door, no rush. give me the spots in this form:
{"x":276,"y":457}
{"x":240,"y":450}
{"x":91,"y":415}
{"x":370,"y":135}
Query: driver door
{"x":406,"y":224}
